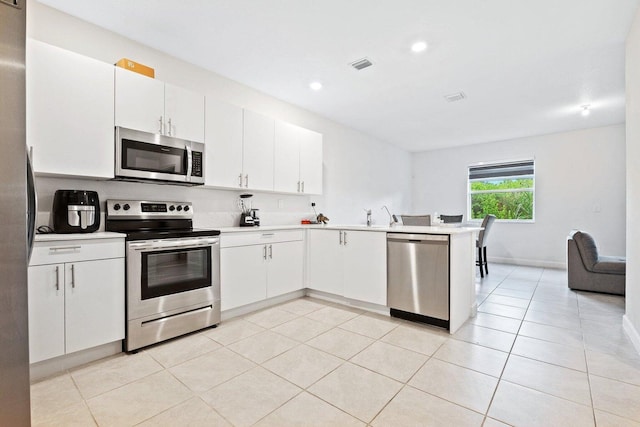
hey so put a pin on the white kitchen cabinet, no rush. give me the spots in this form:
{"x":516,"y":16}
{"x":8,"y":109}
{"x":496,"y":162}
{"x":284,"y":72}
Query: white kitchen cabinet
{"x":257,"y":166}
{"x":76,"y":296}
{"x":311,"y":161}
{"x":349,"y":263}
{"x":223,"y":144}
{"x":325,"y":261}
{"x":150,"y":105}
{"x":365,"y":266}
{"x":256,"y":266}
{"x":297,"y":159}
{"x":70,"y":104}
{"x":243,"y":278}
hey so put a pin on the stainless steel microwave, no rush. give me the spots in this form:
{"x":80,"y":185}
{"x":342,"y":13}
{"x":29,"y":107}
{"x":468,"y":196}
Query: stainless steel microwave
{"x":143,"y":156}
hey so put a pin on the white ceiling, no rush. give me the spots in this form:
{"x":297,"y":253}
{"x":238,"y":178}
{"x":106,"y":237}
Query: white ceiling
{"x":525,"y":66}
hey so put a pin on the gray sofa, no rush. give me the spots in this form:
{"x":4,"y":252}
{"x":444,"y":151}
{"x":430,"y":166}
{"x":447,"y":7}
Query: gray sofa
{"x":589,"y":271}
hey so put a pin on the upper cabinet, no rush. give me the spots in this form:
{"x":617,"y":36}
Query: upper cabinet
{"x":150,"y":105}
{"x":223,"y":145}
{"x":239,"y":146}
{"x":297,"y":159}
{"x":70,"y":104}
{"x":257,"y":164}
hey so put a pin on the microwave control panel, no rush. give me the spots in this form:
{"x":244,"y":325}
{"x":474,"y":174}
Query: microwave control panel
{"x":196,"y":165}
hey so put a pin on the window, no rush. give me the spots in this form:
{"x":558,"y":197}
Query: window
{"x":505,"y":190}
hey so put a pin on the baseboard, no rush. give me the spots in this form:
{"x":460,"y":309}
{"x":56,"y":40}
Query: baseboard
{"x":250,"y":308}
{"x":529,"y":262}
{"x":50,"y":367}
{"x":632,"y":332}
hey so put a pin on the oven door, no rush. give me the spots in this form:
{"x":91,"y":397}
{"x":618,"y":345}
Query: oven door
{"x":147,"y":156}
{"x":169,"y":274}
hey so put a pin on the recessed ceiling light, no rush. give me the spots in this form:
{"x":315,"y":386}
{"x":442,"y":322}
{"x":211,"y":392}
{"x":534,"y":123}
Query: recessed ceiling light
{"x":418,"y":47}
{"x":586,"y":110}
{"x":315,"y":86}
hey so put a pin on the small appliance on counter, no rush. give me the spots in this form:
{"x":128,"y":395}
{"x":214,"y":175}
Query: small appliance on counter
{"x":249,"y":217}
{"x":76,"y":211}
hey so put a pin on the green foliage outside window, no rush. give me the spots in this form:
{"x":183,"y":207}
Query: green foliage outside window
{"x":504,"y":198}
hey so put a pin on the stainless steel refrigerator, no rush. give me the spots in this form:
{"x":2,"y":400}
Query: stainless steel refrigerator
{"x":17,"y":215}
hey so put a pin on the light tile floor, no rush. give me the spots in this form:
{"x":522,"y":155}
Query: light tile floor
{"x":537,"y":354}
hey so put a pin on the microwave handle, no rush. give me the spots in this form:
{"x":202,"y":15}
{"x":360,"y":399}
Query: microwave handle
{"x":189,"y":162}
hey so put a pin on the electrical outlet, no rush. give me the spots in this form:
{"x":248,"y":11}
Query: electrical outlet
{"x":280,"y":203}
{"x":313,"y":204}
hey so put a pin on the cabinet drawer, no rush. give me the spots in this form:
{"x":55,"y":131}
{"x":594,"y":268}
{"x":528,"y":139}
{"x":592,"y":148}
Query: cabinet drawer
{"x":260,"y":238}
{"x":76,"y":250}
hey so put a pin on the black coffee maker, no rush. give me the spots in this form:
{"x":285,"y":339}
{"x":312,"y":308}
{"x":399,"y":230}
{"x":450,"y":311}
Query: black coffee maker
{"x":76,"y":211}
{"x":247,"y":217}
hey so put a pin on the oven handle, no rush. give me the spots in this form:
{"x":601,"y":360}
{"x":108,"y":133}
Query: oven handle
{"x":172,"y":244}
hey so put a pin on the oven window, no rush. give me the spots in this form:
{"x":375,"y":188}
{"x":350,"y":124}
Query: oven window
{"x":172,"y":271}
{"x":153,"y":158}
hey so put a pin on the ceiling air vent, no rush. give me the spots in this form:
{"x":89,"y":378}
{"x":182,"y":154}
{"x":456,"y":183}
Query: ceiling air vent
{"x":361,"y":64}
{"x":453,"y":97}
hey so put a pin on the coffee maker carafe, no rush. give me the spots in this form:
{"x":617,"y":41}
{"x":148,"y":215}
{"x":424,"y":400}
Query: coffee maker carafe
{"x":76,"y":211}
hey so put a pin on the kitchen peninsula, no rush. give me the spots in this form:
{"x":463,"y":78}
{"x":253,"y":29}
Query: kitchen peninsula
{"x":344,"y":263}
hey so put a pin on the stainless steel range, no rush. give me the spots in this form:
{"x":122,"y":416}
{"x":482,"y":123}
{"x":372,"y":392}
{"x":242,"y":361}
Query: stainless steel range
{"x":173,"y":270}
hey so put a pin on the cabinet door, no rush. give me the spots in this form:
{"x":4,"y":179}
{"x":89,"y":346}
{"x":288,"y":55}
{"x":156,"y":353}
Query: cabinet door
{"x":258,"y":151}
{"x":243,"y":275}
{"x":94,"y":309}
{"x":286,"y":158}
{"x":223,"y":144}
{"x":139,"y":102}
{"x":46,"y":311}
{"x":311,"y":161}
{"x":365,"y":266}
{"x":69,"y":112}
{"x":325,"y":261}
{"x":184,"y":111}
{"x":285,"y":268}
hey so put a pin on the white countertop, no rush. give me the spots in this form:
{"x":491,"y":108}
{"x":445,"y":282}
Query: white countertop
{"x":78,"y":236}
{"x":381,"y":228}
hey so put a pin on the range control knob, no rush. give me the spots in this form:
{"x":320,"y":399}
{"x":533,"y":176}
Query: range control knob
{"x":116,"y":207}
{"x":172,"y":208}
{"x":126,"y":206}
{"x":186,"y":208}
{"x":179,"y":208}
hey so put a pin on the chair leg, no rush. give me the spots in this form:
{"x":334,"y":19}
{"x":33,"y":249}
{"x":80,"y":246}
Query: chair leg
{"x":480,"y":262}
{"x":484,"y":257}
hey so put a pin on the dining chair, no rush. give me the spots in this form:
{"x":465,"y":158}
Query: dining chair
{"x":481,"y":243}
{"x":424,"y":220}
{"x":448,"y":219}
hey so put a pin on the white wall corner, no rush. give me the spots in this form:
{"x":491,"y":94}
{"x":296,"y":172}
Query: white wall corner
{"x":632,"y":332}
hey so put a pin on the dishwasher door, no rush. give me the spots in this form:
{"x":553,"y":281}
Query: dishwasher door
{"x":418,"y":277}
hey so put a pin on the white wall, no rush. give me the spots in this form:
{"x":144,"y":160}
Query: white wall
{"x":359,"y":171}
{"x":632,"y":317}
{"x":580,"y":183}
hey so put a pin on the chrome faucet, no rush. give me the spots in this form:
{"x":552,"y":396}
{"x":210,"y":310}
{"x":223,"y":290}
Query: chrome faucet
{"x":392,"y":218}
{"x":368,"y":211}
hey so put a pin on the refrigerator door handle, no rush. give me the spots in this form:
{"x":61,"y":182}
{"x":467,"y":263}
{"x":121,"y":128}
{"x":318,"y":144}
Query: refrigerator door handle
{"x":32,"y":205}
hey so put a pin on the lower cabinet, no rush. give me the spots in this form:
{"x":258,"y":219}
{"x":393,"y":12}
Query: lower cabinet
{"x":256,"y":266}
{"x":349,"y":263}
{"x":78,"y":303}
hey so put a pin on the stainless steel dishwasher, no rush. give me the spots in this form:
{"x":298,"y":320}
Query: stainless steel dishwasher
{"x":418,"y":277}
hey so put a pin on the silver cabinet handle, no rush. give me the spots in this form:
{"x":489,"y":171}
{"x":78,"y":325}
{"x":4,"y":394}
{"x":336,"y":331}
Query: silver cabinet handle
{"x":246,"y":181}
{"x":169,"y":126}
{"x":340,"y":237}
{"x":270,"y":251}
{"x":161,"y":125}
{"x":298,"y":186}
{"x":302,"y":186}
{"x":65,"y":248}
{"x":57,"y":277}
{"x":240,"y":180}
{"x":345,"y":238}
{"x":264,"y":252}
{"x":73,"y":276}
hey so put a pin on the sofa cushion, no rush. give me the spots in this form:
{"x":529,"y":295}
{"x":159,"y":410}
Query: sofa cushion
{"x":611,"y":265}
{"x":587,"y":247}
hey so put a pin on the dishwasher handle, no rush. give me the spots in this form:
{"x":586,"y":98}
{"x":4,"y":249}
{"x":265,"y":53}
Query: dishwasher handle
{"x":432,"y":239}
